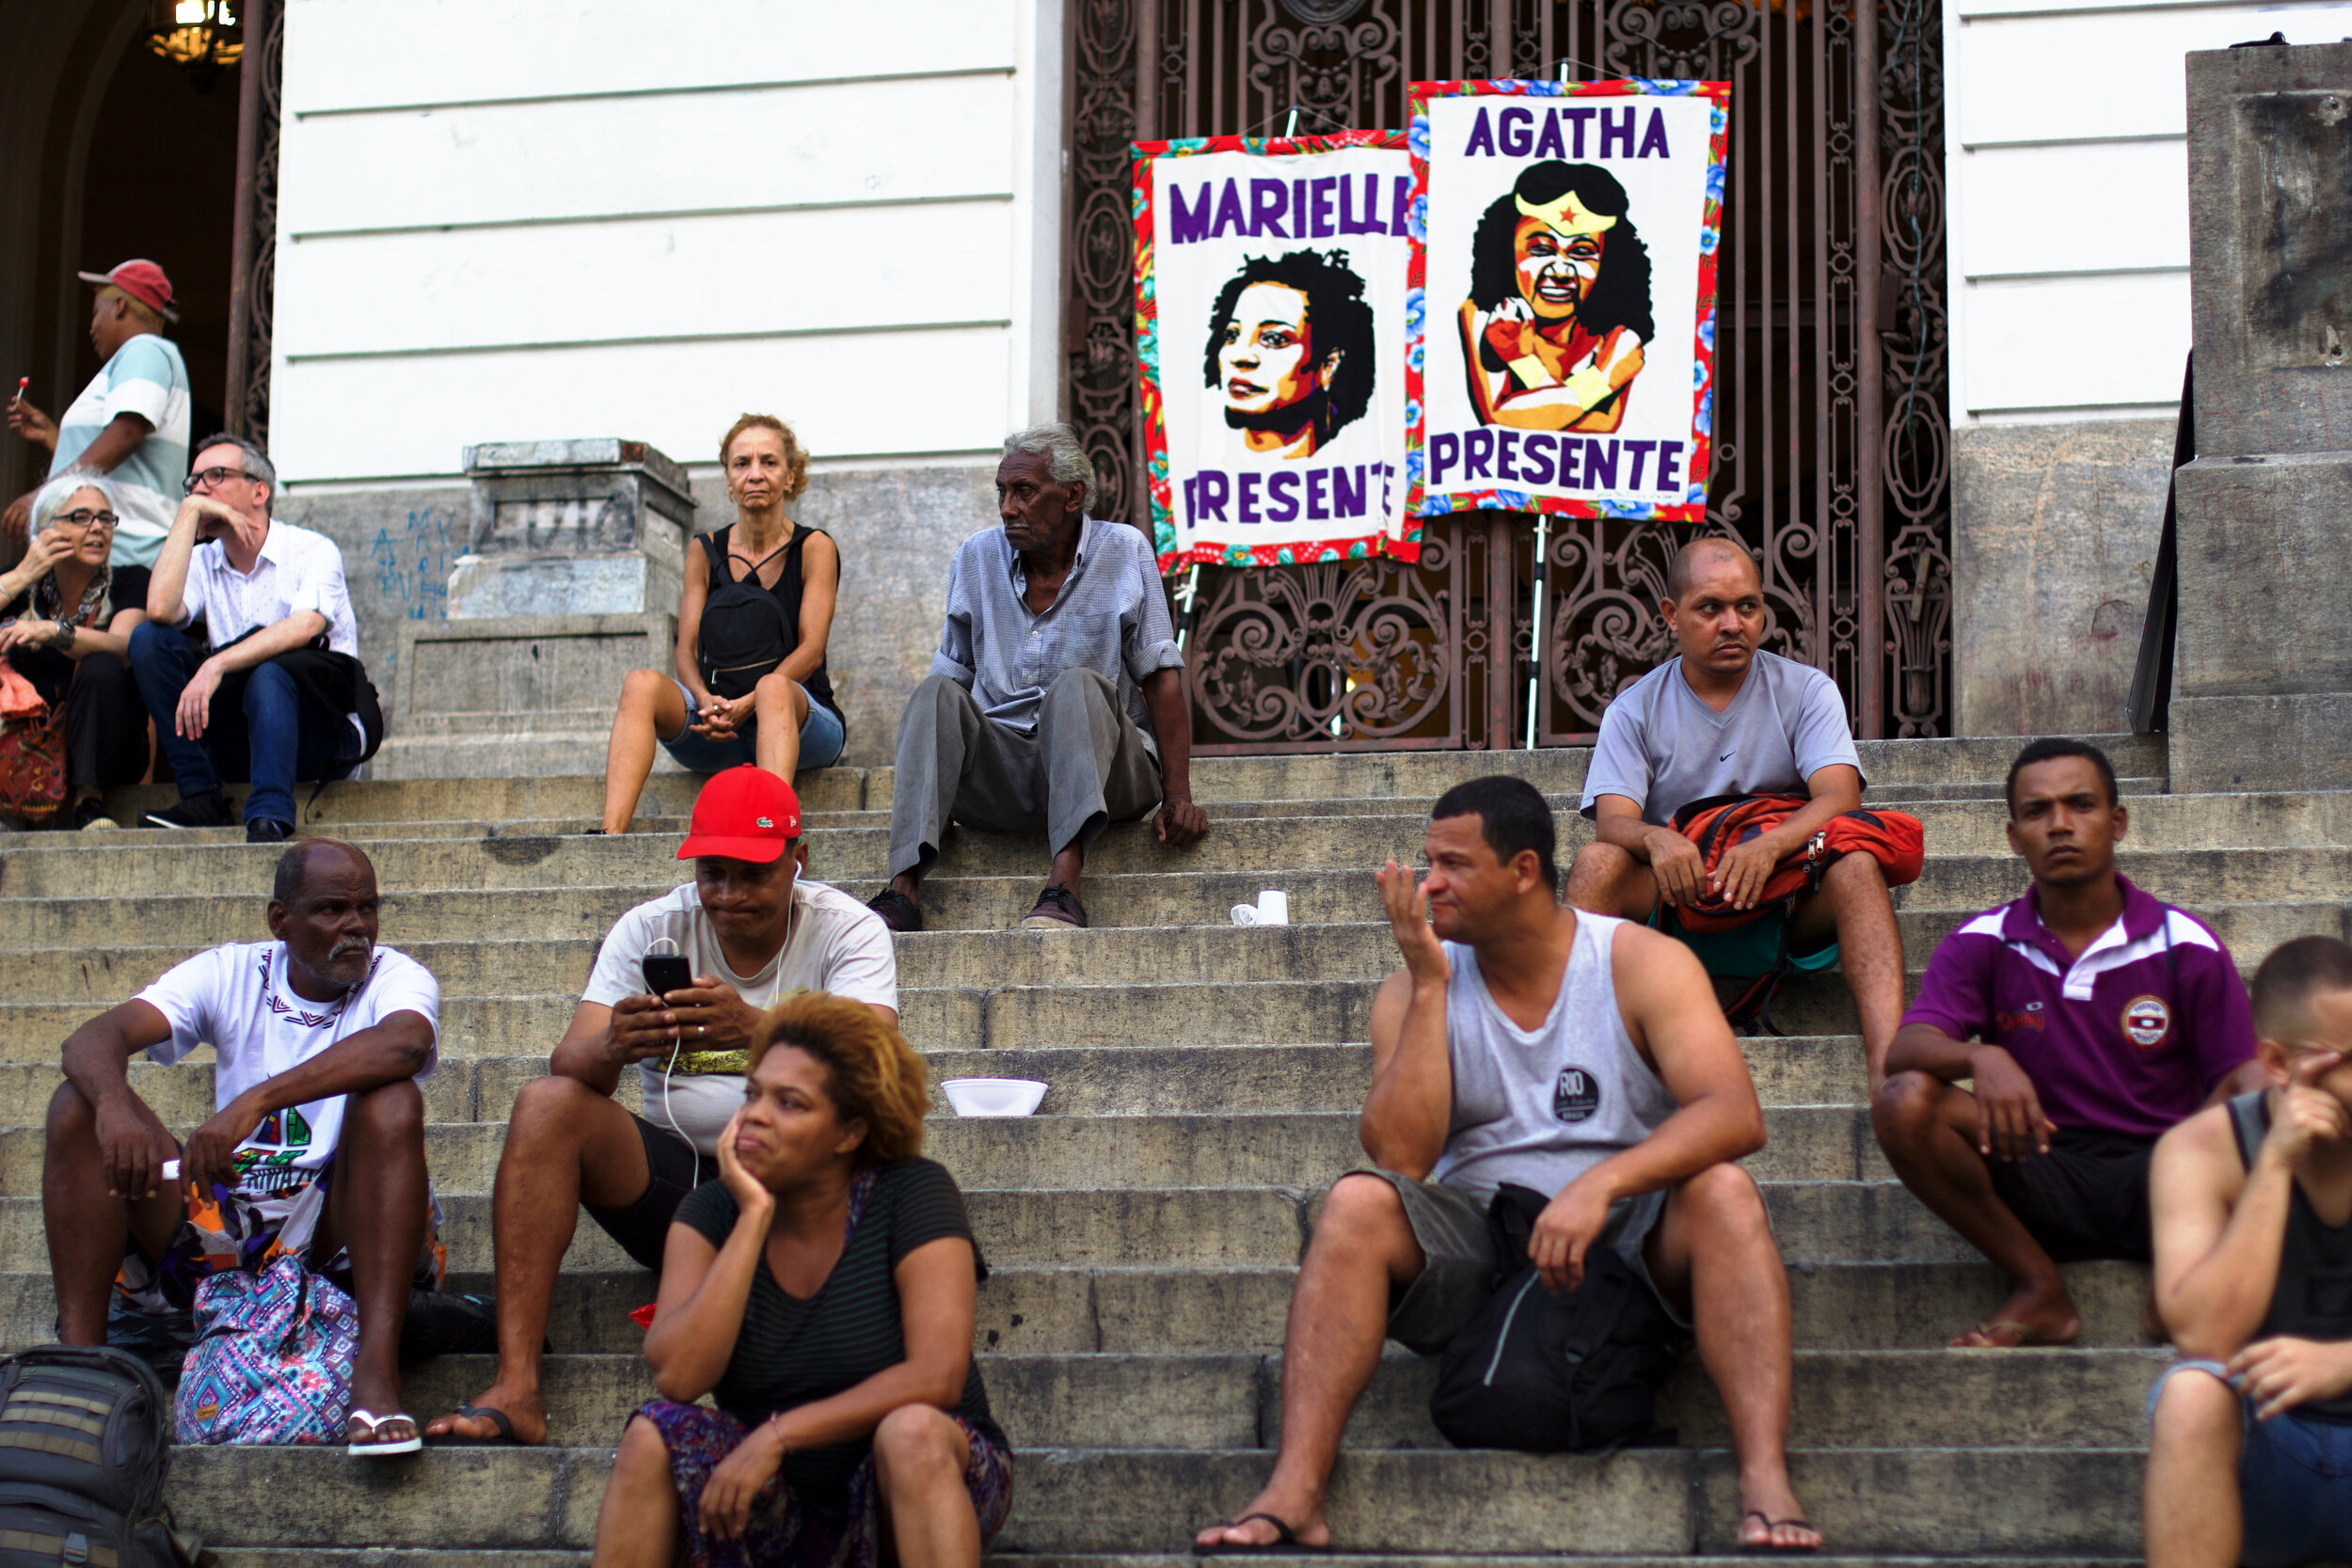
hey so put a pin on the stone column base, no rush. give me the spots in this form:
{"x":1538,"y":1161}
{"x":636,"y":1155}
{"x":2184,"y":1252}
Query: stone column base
{"x":2297,"y":741}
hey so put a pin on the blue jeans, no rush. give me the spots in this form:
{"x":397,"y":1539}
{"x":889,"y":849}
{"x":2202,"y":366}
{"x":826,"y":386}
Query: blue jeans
{"x":821,"y":735}
{"x":2295,"y":1483}
{"x":261,"y":729}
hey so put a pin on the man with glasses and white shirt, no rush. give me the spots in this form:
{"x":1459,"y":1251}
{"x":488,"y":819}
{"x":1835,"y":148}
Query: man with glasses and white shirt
{"x":277,"y":696}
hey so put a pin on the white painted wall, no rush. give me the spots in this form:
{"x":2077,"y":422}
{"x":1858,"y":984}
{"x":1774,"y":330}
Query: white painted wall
{"x":2068,"y":165}
{"x":639,"y":218}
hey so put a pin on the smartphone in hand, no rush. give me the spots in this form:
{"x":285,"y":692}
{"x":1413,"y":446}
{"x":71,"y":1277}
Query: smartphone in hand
{"x":666,"y":973}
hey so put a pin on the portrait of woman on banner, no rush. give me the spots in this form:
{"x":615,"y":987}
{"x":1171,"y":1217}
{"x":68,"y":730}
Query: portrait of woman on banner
{"x":1559,"y":306}
{"x":1290,"y":353}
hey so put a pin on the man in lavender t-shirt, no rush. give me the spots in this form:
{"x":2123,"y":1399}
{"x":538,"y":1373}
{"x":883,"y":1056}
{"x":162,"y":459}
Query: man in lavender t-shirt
{"x":2090,"y":1019}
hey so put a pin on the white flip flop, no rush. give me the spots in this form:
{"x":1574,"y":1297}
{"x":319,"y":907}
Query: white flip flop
{"x":370,"y":1446}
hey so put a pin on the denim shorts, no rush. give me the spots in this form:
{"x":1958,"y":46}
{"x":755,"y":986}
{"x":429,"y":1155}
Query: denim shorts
{"x":2295,"y":1483}
{"x":821,"y":735}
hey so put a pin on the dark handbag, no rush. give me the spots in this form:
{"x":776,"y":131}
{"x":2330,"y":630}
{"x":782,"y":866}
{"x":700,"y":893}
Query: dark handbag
{"x":84,"y":1449}
{"x":742,"y":635}
{"x":1543,"y":1373}
{"x":337,"y":682}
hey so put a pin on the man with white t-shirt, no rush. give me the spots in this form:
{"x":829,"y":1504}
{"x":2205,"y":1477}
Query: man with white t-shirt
{"x":1726,"y":719}
{"x":752,"y":931}
{"x":316,"y":1149}
{"x":131,"y":422}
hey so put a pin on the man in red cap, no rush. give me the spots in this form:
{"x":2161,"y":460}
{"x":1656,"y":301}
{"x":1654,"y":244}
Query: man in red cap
{"x":752,"y":930}
{"x":131,"y":422}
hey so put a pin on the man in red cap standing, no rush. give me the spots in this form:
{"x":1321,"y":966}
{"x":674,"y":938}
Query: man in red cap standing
{"x":752,"y":930}
{"x":131,"y":422}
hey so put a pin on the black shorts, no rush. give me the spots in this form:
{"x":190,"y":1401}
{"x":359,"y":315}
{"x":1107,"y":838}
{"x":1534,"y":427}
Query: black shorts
{"x":2087,"y":1198}
{"x":643,"y":1227}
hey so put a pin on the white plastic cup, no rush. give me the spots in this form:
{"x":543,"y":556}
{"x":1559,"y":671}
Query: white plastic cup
{"x":1244,"y":914}
{"x":1274,"y":907}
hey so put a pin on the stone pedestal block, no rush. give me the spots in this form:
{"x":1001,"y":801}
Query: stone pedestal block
{"x":520,"y":695}
{"x":572,"y":528}
{"x":2263,"y":671}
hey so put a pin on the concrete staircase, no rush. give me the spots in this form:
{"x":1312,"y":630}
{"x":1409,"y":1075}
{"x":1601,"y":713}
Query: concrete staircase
{"x":1145,"y":1226}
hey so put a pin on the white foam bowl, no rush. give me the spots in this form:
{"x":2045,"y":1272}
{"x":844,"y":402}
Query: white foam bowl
{"x":994,"y":1097}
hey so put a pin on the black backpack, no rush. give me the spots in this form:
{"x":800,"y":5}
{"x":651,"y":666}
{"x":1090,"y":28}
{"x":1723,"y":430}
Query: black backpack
{"x":1547,"y":1373}
{"x":85,"y":1441}
{"x":742,"y":635}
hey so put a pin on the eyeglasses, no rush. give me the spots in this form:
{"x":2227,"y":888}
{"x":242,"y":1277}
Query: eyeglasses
{"x":207,"y":479}
{"x":85,"y":518}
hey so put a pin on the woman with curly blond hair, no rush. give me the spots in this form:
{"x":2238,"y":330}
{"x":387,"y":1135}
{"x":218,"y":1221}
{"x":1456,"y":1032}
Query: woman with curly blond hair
{"x":755,"y":608}
{"x":822,"y":1289}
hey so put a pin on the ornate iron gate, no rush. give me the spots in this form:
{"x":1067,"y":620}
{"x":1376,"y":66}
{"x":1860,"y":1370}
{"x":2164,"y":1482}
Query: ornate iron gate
{"x":1832,"y":445}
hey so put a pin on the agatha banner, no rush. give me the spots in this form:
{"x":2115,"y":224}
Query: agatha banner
{"x":1560,"y":302}
{"x":1271,"y":319}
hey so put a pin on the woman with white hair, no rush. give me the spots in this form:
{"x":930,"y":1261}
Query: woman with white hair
{"x":65,"y":626}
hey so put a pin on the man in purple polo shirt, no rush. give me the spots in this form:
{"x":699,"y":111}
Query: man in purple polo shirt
{"x":2090,"y":1018}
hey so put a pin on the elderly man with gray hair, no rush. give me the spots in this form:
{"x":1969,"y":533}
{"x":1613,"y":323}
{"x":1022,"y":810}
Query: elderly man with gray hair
{"x":270,"y":689}
{"x":1057,"y":698}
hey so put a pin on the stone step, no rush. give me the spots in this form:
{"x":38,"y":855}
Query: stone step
{"x":61,"y":866}
{"x":1421,"y":774}
{"x":1083,"y":969}
{"x":1083,"y":1081}
{"x":1949,"y":882}
{"x":477,"y":818}
{"x":1203,"y":1226}
{"x":1309,"y":1148}
{"x":1843,"y":1399}
{"x":1041,"y":1308}
{"x":1649,"y":1502}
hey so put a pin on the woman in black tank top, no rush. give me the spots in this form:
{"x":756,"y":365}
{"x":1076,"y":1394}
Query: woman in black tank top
{"x":753,"y":612}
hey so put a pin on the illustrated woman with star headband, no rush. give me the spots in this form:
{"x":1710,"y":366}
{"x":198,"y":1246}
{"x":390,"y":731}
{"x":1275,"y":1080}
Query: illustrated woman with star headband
{"x":1559,"y":306}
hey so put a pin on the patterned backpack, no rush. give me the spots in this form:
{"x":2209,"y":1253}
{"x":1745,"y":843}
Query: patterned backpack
{"x":273,"y":1357}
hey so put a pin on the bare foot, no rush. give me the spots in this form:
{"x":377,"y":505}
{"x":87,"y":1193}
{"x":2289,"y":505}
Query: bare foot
{"x":1264,"y":1521}
{"x":2036,"y":1315}
{"x":522,"y":1407}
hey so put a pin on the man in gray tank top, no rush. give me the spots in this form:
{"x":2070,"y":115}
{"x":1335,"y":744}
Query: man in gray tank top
{"x":1576,"y":1055}
{"x":2250,"y":1458}
{"x":1728,"y":719}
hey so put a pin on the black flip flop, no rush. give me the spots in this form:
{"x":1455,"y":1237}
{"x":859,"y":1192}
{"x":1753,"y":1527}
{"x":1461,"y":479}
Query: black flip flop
{"x":505,"y":1438}
{"x":1285,"y":1542}
{"x":1765,"y":1547}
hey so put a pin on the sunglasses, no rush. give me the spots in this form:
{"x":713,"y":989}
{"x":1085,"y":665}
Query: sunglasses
{"x":85,"y":518}
{"x":206,"y":479}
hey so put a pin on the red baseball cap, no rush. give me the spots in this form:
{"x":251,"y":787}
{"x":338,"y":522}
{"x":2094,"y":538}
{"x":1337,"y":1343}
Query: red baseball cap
{"x":143,"y":281}
{"x":744,"y":814}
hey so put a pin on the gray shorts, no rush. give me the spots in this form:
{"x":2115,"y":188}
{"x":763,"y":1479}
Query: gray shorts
{"x":1461,"y":1271}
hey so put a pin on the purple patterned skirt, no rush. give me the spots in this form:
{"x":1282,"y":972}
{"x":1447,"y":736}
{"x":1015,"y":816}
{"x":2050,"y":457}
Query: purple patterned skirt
{"x":788,"y":1531}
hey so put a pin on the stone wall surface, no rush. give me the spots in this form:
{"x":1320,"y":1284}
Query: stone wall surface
{"x":2053,"y":530}
{"x":896,"y":529}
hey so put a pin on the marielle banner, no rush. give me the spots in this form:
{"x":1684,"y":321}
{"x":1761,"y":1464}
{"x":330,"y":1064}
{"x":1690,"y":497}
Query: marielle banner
{"x":1270,"y":329}
{"x":1561,"y":300}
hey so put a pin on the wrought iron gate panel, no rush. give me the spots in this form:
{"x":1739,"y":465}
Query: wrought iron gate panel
{"x":1917,"y":569}
{"x":1832,"y":454}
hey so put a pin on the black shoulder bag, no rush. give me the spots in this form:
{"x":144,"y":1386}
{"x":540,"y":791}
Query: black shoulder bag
{"x":1545,"y":1373}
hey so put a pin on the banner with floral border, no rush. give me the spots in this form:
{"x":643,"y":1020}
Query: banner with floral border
{"x":1563,"y":251}
{"x":1272,"y":271}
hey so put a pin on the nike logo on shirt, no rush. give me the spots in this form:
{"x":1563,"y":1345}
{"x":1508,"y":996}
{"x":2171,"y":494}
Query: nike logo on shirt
{"x":1727,"y":756}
